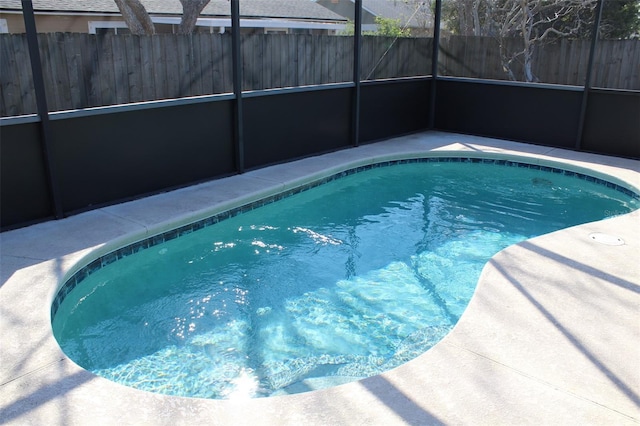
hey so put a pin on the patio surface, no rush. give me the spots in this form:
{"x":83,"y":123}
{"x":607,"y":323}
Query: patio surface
{"x":551,"y":336}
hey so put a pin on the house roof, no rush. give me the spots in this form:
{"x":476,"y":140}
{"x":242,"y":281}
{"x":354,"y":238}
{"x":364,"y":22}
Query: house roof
{"x":410,"y":13}
{"x":284,"y":9}
{"x":405,"y":11}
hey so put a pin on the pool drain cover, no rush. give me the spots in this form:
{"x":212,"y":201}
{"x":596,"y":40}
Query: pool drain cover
{"x":610,"y":240}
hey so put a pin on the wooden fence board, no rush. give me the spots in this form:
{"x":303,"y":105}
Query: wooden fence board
{"x":211,"y":45}
{"x":323,"y":61}
{"x":630,"y":74}
{"x":584,"y":47}
{"x":46,"y":54}
{"x":119,"y":65}
{"x":146,"y":69}
{"x":102,"y":78}
{"x":192,"y":72}
{"x":308,"y":60}
{"x":278,"y":60}
{"x":196,"y":65}
{"x":300,"y":59}
{"x":23,"y":88}
{"x":205,"y":64}
{"x":617,"y":57}
{"x":289,"y":62}
{"x":159,"y":70}
{"x":85,"y":69}
{"x":88,"y":53}
{"x":311,"y":61}
{"x":555,"y":70}
{"x":249,"y":56}
{"x":169,"y":52}
{"x":14,"y":88}
{"x":292,"y":62}
{"x":576,"y":63}
{"x":180,"y":71}
{"x":60,"y":74}
{"x":271,"y":73}
{"x":75,"y":68}
{"x":8,"y":81}
{"x":227,"y":58}
{"x":609,"y":61}
{"x":346,"y":58}
{"x":133,"y":68}
{"x":314,"y":55}
{"x":273,"y":54}
{"x":625,"y":56}
{"x":562,"y":61}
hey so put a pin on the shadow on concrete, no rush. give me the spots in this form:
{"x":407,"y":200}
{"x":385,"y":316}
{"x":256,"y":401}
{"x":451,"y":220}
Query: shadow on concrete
{"x":400,"y":403}
{"x":44,"y":394}
{"x":587,"y":269}
{"x":617,"y":381}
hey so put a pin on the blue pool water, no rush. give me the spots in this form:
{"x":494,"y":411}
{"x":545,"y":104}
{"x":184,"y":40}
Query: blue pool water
{"x":340,"y":282}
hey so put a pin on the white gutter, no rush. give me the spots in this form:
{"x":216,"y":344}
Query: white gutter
{"x":254,"y":23}
{"x":225,"y":23}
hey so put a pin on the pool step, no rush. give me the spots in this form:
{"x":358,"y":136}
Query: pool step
{"x":315,"y":383}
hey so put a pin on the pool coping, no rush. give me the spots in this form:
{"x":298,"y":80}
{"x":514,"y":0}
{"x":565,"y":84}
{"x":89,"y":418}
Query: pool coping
{"x":508,"y":376}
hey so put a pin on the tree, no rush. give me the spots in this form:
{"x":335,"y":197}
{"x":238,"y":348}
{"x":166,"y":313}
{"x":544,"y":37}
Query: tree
{"x":136,"y":17}
{"x":139,"y":21}
{"x":532,"y":22}
{"x":191,"y":9}
{"x":620,"y":19}
{"x":412,"y":12}
{"x":536,"y":22}
{"x":422,"y":16}
{"x":386,"y":27}
{"x":467,"y":17}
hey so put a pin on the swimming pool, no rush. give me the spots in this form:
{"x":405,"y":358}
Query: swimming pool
{"x":433,"y":225}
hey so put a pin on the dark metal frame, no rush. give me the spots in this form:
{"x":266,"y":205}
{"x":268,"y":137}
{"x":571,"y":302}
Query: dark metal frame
{"x":357,"y":36}
{"x":434,"y":62}
{"x":587,"y":81}
{"x":245,"y":130}
{"x":41,"y":104}
{"x":236,"y":54}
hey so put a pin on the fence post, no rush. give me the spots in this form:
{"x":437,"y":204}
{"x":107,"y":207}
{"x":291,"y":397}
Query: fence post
{"x":355,"y":105}
{"x":41,"y":106}
{"x":587,"y":82}
{"x":236,"y":54}
{"x":434,"y":63}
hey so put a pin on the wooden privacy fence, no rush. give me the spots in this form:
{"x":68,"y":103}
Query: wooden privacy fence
{"x":86,"y":70}
{"x":616,"y":65}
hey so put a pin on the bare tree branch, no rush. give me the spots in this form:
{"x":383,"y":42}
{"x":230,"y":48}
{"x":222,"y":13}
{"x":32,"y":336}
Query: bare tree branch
{"x":535,"y":22}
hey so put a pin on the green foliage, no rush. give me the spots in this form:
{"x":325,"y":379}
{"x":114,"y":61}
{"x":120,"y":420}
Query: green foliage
{"x":387,"y":27}
{"x":390,"y":28}
{"x":349,"y":29}
{"x":620,"y":19}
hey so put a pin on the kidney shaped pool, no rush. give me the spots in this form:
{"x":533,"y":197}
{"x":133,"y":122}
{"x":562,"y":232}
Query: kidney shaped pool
{"x":329,"y":283}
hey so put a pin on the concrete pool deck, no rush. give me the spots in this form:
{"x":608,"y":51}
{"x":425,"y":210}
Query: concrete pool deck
{"x":551,"y":336}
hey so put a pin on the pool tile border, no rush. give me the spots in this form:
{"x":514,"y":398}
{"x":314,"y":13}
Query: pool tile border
{"x":130,"y":249}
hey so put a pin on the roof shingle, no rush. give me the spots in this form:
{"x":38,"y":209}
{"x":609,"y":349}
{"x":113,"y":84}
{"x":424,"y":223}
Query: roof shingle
{"x":286,"y":9}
